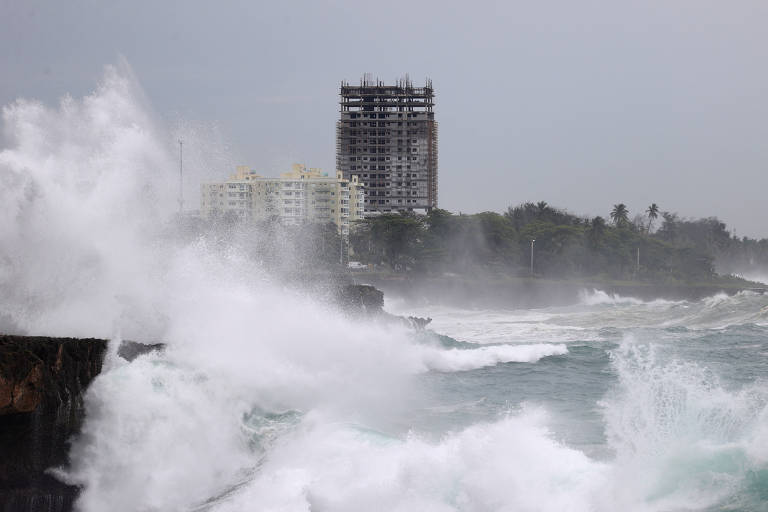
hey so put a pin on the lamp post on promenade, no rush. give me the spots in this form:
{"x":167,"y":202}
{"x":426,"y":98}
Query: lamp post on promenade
{"x":533,"y":240}
{"x":181,"y":178}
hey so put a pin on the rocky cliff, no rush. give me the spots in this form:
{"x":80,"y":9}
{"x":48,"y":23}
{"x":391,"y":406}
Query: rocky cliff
{"x":360,"y":299}
{"x":42,"y":381}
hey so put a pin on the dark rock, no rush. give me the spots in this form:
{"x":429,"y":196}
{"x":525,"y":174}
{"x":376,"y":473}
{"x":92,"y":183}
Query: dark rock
{"x":361,"y":299}
{"x":418,"y":323}
{"x":42,"y":381}
{"x":46,"y":494}
{"x":130,"y":350}
{"x":366,"y":301}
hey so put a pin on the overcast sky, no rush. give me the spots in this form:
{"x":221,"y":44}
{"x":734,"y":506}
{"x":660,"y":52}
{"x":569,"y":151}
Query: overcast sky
{"x":582,"y":104}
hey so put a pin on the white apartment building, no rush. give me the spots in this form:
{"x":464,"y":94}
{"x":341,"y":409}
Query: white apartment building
{"x":300,"y":196}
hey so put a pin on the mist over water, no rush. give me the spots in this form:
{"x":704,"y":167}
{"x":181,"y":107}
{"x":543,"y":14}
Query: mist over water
{"x":268,"y":399}
{"x":760,"y":277}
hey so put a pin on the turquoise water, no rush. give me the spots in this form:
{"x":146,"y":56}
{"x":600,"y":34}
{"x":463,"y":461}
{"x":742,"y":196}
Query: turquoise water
{"x":671,"y":395}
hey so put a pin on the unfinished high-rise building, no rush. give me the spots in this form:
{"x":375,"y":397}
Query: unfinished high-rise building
{"x":387,"y":136}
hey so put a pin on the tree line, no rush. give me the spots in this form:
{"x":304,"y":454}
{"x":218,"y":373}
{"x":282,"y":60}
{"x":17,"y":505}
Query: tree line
{"x":564,"y":245}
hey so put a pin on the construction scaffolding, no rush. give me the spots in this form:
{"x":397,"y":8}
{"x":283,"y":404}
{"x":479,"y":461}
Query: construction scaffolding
{"x":387,"y":136}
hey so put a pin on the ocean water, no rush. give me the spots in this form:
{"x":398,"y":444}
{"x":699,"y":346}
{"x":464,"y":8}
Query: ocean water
{"x":665,"y":400}
{"x":266,"y":399}
{"x":609,"y":404}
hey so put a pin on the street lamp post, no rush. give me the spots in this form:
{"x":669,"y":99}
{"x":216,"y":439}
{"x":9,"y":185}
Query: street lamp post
{"x":533,"y":240}
{"x":181,"y":178}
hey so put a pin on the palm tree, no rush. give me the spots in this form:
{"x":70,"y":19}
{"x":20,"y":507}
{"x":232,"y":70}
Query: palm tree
{"x":620,"y":214}
{"x":653,"y":214}
{"x":596,"y":230}
{"x":542,"y":210}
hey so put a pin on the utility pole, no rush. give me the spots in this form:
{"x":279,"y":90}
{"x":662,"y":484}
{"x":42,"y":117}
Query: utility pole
{"x":532,"y":242}
{"x":181,"y":179}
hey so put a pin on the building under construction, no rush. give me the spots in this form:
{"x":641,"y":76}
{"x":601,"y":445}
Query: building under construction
{"x":387,"y":136}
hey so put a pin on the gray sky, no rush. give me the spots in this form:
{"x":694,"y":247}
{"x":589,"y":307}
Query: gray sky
{"x":580,"y":103}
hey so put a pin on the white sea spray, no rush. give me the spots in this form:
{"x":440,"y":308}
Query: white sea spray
{"x":265,"y":399}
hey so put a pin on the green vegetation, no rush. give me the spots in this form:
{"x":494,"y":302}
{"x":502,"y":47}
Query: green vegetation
{"x":566,"y":246}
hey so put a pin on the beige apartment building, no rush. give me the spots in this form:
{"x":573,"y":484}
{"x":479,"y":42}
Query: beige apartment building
{"x":303,"y":195}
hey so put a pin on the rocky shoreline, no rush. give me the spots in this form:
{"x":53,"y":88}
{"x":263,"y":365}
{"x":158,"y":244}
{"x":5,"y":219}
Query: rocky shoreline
{"x":42,"y":384}
{"x":42,"y":381}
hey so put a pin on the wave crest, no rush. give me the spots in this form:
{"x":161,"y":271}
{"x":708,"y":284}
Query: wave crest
{"x":490,"y":355}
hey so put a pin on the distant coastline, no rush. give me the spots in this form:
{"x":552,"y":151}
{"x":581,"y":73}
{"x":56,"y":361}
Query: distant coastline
{"x":679,"y":257}
{"x":521,"y":292}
